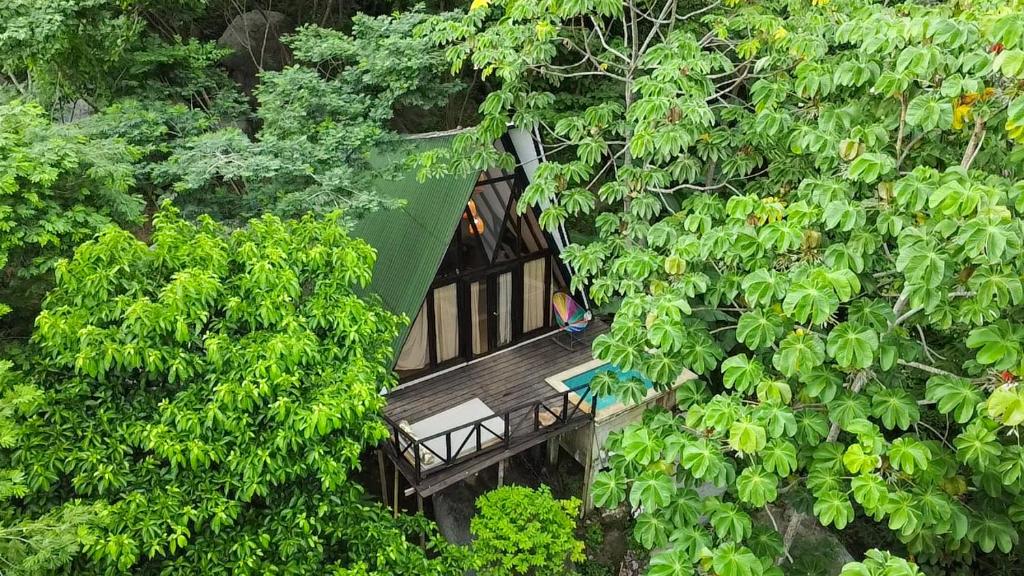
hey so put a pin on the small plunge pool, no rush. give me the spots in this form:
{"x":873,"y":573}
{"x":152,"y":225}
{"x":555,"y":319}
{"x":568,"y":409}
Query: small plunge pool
{"x":605,"y":405}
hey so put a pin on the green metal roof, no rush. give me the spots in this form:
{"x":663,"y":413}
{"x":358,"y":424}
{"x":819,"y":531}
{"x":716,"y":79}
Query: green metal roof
{"x":411,"y":240}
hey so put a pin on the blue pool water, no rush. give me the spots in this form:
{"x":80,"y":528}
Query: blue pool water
{"x":609,"y":399}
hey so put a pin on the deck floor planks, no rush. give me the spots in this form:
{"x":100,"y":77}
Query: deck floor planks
{"x":503,"y":381}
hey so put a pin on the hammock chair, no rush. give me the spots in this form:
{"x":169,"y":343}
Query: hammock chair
{"x":572,"y":318}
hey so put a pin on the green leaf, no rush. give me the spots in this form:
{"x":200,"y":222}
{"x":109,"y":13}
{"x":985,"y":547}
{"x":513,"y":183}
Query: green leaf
{"x":609,"y":488}
{"x":909,"y":455}
{"x":731,"y":559}
{"x":651,"y":530}
{"x":869,"y":167}
{"x":758,"y":329}
{"x":869,"y":491}
{"x":702,"y":458}
{"x":810,"y":301}
{"x":1006,"y":405}
{"x":674,"y":561}
{"x":991,"y":531}
{"x":652,"y":489}
{"x":741,"y":373}
{"x":895,"y":407}
{"x":998,"y":344}
{"x":798,"y":353}
{"x":756,"y":486}
{"x":928,"y":112}
{"x":833,"y":508}
{"x":747,"y":437}
{"x":779,"y":456}
{"x":729,"y":522}
{"x":954,"y":395}
{"x":858,"y":462}
{"x":852,"y":345}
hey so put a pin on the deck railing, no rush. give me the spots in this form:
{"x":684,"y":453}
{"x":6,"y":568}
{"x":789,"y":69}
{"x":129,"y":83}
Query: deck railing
{"x":549,"y":412}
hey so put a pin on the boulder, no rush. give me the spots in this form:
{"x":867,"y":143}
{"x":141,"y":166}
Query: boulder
{"x":255,"y":39}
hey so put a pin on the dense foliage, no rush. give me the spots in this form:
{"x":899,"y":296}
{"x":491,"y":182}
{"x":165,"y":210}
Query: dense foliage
{"x":215,"y":390}
{"x":324,"y":124}
{"x":816,"y":205}
{"x":58,"y":187}
{"x":520,"y":531}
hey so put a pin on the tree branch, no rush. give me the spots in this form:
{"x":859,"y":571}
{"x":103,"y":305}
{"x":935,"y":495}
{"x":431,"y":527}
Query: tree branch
{"x":974,"y":145}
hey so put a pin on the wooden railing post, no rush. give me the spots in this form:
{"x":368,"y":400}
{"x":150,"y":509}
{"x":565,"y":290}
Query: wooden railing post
{"x":416,"y":456}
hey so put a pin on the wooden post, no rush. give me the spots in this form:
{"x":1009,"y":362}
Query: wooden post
{"x":383,"y":476}
{"x":501,"y":473}
{"x":553,"y":451}
{"x":395,"y":515}
{"x":588,"y":499}
{"x":419,"y":506}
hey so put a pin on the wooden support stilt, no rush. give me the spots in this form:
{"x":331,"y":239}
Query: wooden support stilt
{"x":383,"y":477}
{"x":553,"y":451}
{"x":419,"y":506}
{"x":501,"y":473}
{"x":588,"y":499}
{"x":395,"y":502}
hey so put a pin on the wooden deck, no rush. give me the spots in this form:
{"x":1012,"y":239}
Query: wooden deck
{"x":507,"y":382}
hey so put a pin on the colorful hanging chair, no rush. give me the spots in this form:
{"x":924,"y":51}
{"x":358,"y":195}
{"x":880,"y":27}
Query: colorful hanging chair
{"x":570,"y":316}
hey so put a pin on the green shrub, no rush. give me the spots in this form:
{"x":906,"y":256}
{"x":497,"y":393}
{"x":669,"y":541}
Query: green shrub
{"x":521,"y":531}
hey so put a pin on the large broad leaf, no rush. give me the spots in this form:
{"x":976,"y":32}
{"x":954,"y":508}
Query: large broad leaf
{"x":747,"y":437}
{"x":808,"y":300}
{"x":651,"y":530}
{"x":731,"y":559}
{"x":928,"y":112}
{"x":908,"y":454}
{"x":756,"y":486}
{"x":1006,"y":405}
{"x":869,"y":491}
{"x":852,"y":345}
{"x":779,"y":456}
{"x":730,"y":523}
{"x":672,"y":562}
{"x":640,"y":445}
{"x":762,"y":287}
{"x":834,"y":508}
{"x":652,"y":489}
{"x":878,"y":563}
{"x":997,"y":344}
{"x":702,"y":458}
{"x":990,"y":531}
{"x":954,"y":395}
{"x":609,"y":488}
{"x":741,"y":373}
{"x":857,"y":461}
{"x":978,"y":445}
{"x":758,"y":328}
{"x":799,"y":352}
{"x":896,"y":408}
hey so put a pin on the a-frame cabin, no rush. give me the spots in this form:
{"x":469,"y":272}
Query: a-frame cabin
{"x":477,"y":278}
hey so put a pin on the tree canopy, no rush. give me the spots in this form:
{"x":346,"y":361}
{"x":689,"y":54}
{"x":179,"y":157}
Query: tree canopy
{"x":817,"y":206}
{"x":214,"y":390}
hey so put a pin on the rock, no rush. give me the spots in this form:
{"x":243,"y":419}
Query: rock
{"x":255,"y":37}
{"x":75,"y":111}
